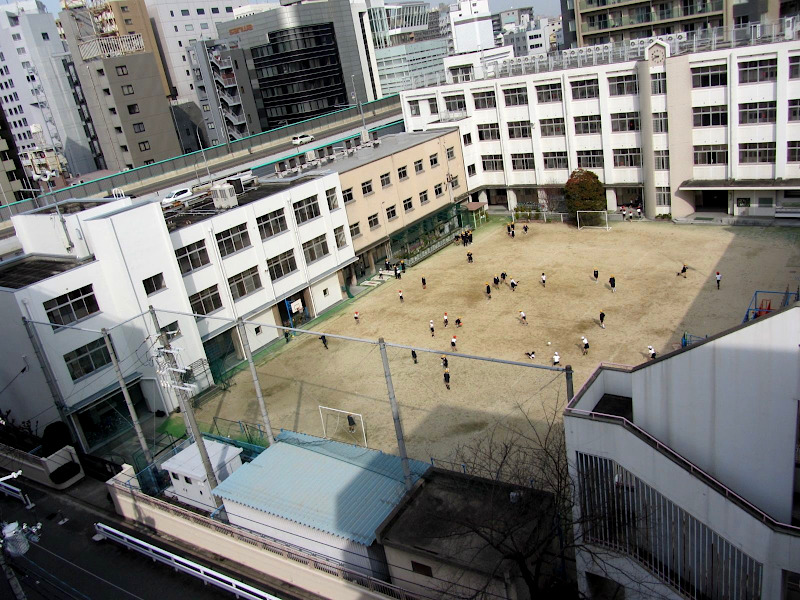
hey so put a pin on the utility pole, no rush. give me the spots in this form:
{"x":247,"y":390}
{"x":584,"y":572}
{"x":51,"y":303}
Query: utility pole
{"x":398,"y":426}
{"x":134,"y":417}
{"x":256,"y":383}
{"x":168,"y":372}
{"x":570,"y":390}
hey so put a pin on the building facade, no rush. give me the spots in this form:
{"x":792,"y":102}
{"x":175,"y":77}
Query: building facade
{"x":687,"y":469}
{"x":471,"y":26}
{"x":730,"y":145}
{"x":275,"y":256}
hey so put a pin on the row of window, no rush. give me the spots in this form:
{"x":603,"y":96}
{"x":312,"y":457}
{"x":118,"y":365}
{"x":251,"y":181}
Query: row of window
{"x":751,"y":71}
{"x":201,"y":11}
{"x":749,"y":153}
{"x":402,"y":175}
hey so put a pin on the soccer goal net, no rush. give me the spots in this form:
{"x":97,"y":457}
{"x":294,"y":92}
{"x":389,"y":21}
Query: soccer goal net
{"x":343,"y":426}
{"x":593,"y":219}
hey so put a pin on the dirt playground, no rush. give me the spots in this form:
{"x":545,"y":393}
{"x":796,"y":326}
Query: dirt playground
{"x":652,"y":306}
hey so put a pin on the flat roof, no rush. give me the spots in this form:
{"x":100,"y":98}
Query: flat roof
{"x":17,"y":274}
{"x":67,"y":207}
{"x":446,"y":513}
{"x":188,"y":462}
{"x":389,"y":144}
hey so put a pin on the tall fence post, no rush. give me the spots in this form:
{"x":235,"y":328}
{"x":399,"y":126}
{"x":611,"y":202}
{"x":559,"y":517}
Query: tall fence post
{"x":398,"y":426}
{"x":256,"y":384}
{"x":570,"y":389}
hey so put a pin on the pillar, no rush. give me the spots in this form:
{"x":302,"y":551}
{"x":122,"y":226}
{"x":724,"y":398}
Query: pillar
{"x":511,"y":195}
{"x":611,"y":199}
{"x":483,"y":196}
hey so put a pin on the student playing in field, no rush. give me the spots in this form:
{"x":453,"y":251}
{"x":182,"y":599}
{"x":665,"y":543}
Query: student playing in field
{"x":431,"y":326}
{"x":488,"y":291}
{"x":447,"y":378}
{"x":445,"y":319}
{"x":596,"y":275}
{"x":513,"y":284}
{"x":356,"y":317}
{"x":453,"y":342}
{"x":613,"y":283}
{"x":458,"y":322}
{"x":682,"y":271}
{"x":523,"y":318}
{"x":651,"y":351}
{"x":531,"y":354}
{"x":585,"y":343}
{"x":400,"y":295}
{"x":556,"y":359}
{"x":544,"y":280}
{"x":602,"y":319}
{"x":444,"y":361}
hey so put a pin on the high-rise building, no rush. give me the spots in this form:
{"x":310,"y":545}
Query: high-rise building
{"x":11,"y":173}
{"x":42,"y":113}
{"x":117,"y":64}
{"x":591,"y":22}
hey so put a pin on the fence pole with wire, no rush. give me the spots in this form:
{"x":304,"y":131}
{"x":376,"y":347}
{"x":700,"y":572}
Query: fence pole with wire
{"x":126,"y":395}
{"x":256,"y":384}
{"x":398,"y":425}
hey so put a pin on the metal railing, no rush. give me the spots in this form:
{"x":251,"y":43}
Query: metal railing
{"x":204,"y":574}
{"x":112,"y":46}
{"x":15,"y":492}
{"x":429,"y":250}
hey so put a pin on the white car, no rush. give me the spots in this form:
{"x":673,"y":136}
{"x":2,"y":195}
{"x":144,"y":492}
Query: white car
{"x":176,"y":196}
{"x":299,"y":140}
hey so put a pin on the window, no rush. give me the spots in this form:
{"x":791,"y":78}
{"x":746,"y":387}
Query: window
{"x":794,"y":110}
{"x":127,"y":90}
{"x":189,"y":27}
{"x":551,"y":127}
{"x":306,"y":209}
{"x":355,"y":230}
{"x":347,"y":195}
{"x":522,"y":162}
{"x":206,"y":301}
{"x":754,"y":71}
{"x":484,"y":100}
{"x":244,"y":283}
{"x":418,"y":166}
{"x":454,"y":182}
{"x":233,"y":239}
{"x":16,"y":37}
{"x":794,"y":67}
{"x":421,"y":569}
{"x":451,"y":153}
{"x":423,"y":197}
{"x":628,"y":157}
{"x":516,"y":96}
{"x":757,"y":112}
{"x":793,"y":152}
{"x":87,"y":359}
{"x":711,"y":154}
{"x":765,"y":202}
{"x":203,"y":25}
{"x":45,"y":36}
{"x":124,"y":9}
{"x":590,"y":159}
{"x":711,"y":76}
{"x":333,"y":200}
{"x":391,"y":213}
{"x":434,"y":160}
{"x":201,"y":11}
{"x":184,"y":13}
{"x":153,"y":284}
{"x":192,"y":257}
{"x":710,"y":116}
{"x":587,"y":124}
{"x":438,"y":190}
{"x":408,"y":205}
{"x":271,"y":224}
{"x":72,"y":306}
{"x":340,"y":237}
{"x":492,"y":162}
{"x":386,"y":180}
{"x":228,"y":9}
{"x":586,"y":88}
{"x":138,"y":128}
{"x":467,"y":138}
{"x":172,"y":331}
{"x":758,"y":152}
{"x":21,"y":51}
{"x":623,"y":85}
{"x":281,"y":265}
{"x":658,"y":83}
{"x":519,"y":129}
{"x":433,"y":106}
{"x":660,"y":122}
{"x":471,"y":171}
{"x":555,"y":160}
{"x":455,"y":103}
{"x":663,"y":197}
{"x":133,"y":109}
{"x":413,"y":107}
{"x":366,"y":188}
{"x":488,"y":131}
{"x":373,"y":221}
{"x":215,"y":11}
{"x":144,"y":146}
{"x":550,"y":92}
{"x":661,"y":160}
{"x":625,"y":121}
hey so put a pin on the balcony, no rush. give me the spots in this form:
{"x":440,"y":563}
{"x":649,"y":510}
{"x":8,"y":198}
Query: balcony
{"x":236,"y":119}
{"x":112,"y":46}
{"x":688,"y":10}
{"x":231,"y":99}
{"x":221,"y":63}
{"x":634,"y":20}
{"x":225,"y":80}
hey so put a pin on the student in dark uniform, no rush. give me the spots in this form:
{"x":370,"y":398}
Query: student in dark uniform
{"x":414,"y":356}
{"x":444,"y":361}
{"x":458,"y":322}
{"x":488,"y":291}
{"x":602,"y":319}
{"x":596,"y":275}
{"x":513,"y":284}
{"x":324,"y":341}
{"x":585,"y":345}
{"x":496,"y":281}
{"x":424,"y":283}
{"x":613,"y":283}
{"x":453,"y":341}
{"x":431,"y":326}
{"x":447,"y":378}
{"x":503,"y":276}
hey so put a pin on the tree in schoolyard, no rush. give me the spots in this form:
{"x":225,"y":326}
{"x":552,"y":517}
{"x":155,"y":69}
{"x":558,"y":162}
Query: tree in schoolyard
{"x":583,"y":191}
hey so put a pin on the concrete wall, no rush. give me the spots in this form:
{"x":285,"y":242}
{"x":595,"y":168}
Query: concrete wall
{"x":39,"y":468}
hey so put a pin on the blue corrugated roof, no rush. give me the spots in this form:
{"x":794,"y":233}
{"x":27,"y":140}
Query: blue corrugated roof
{"x":338,"y":488}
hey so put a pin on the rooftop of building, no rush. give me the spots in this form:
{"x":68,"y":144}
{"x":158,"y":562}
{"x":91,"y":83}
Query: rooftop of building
{"x":27,"y":270}
{"x":447,"y":512}
{"x":341,"y":489}
{"x":188,"y":461}
{"x":68,"y":207}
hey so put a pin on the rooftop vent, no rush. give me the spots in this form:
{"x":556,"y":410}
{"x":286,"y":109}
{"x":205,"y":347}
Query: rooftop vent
{"x":224,"y":196}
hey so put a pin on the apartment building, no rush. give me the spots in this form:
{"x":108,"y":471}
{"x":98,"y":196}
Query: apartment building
{"x":687,"y":469}
{"x":538,"y":36}
{"x":591,"y":22}
{"x":275,"y":256}
{"x":37,"y":100}
{"x":731,"y":144}
{"x":123,"y":85}
{"x":11,"y":174}
{"x":401,"y":195}
{"x":471,"y":26}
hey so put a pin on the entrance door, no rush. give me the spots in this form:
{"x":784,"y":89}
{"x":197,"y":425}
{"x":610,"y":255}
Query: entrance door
{"x":712,"y":201}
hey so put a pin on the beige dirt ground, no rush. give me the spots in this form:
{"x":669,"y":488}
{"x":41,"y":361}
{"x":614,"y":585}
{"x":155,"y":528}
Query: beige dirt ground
{"x":652,"y":306}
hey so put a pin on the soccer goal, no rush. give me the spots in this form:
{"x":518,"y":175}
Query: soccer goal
{"x":593,"y":219}
{"x":343,"y":425}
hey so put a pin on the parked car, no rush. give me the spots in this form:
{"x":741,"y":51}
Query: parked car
{"x":299,"y":140}
{"x":176,"y":196}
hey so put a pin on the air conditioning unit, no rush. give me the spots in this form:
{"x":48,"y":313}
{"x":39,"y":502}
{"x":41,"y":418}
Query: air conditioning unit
{"x":224,"y":196}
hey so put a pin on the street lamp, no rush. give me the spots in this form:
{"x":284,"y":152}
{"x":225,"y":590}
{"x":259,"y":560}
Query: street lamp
{"x":203,"y":151}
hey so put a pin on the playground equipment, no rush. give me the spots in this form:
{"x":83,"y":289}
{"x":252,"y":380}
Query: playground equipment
{"x":688,"y":339}
{"x":765,"y":302}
